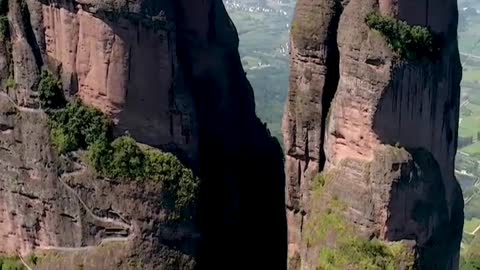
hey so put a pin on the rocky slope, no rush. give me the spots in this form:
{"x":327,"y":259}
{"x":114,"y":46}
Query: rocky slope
{"x":386,"y":127}
{"x":169,"y":74}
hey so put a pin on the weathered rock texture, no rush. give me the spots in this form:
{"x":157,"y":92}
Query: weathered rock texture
{"x":121,"y":62}
{"x":52,"y":204}
{"x":169,"y":74}
{"x":350,"y":98}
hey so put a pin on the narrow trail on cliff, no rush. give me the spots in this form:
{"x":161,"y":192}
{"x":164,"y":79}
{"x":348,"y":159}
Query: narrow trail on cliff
{"x":103,"y":241}
{"x":24,"y":262}
{"x":82,"y":169}
{"x":20,"y":108}
{"x":85,"y":248}
{"x":122,"y":223}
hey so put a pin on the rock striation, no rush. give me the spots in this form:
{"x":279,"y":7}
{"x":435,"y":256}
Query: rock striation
{"x":100,"y":54}
{"x":386,"y":126}
{"x":169,"y":74}
{"x":58,"y":205}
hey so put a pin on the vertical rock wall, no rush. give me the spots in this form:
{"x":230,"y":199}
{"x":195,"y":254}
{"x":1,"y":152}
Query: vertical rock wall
{"x":176,"y":85}
{"x":378,"y":101}
{"x":119,"y":61}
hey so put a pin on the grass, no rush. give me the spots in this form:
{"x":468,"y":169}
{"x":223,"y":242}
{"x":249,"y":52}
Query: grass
{"x":471,"y":75}
{"x":472,"y":209}
{"x":348,"y":250}
{"x":11,"y":84}
{"x":11,"y":263}
{"x":471,"y":225}
{"x":470,"y":125}
{"x":249,"y":61}
{"x":473,"y":149}
{"x":470,"y":112}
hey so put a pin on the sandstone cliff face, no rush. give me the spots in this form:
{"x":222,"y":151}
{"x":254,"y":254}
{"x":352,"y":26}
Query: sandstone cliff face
{"x":122,"y":62}
{"x":169,"y":74}
{"x":59,"y":205}
{"x":350,"y":99}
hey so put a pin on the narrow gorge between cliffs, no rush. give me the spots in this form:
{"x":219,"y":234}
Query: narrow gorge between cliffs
{"x":239,"y":134}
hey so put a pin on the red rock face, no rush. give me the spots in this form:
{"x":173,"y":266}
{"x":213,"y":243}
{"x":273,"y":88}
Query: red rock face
{"x":377,"y":102}
{"x":126,"y":68}
{"x":177,"y":85}
{"x":50,"y":204}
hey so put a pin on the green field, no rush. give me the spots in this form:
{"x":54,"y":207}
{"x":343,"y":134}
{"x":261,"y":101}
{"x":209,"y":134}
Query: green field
{"x":249,"y":62}
{"x":472,"y":208}
{"x":473,"y":149}
{"x":472,"y":75}
{"x":469,"y":37}
{"x":470,"y":111}
{"x":469,"y":126}
{"x":471,"y":225}
{"x":263,"y":39}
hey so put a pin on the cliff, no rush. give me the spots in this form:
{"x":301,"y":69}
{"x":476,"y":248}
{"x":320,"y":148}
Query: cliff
{"x":380,"y":127}
{"x":167,"y":73}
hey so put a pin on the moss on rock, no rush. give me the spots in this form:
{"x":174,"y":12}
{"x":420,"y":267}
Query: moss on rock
{"x":341,"y":246}
{"x":11,"y":263}
{"x":411,"y":42}
{"x":79,"y":127}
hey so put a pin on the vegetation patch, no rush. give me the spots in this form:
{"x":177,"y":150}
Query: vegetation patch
{"x":11,"y":263}
{"x":33,"y":259}
{"x":50,"y":91}
{"x":349,"y":251}
{"x":473,"y":149}
{"x":78,"y":127}
{"x":410,"y":42}
{"x":366,"y":255}
{"x":470,"y":255}
{"x":124,"y":159}
{"x":11,"y":83}
{"x":471,"y":225}
{"x":4,"y":27}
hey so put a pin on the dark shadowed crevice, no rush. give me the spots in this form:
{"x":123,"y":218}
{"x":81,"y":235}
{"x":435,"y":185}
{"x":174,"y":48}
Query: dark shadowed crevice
{"x":332,"y":77}
{"x":30,"y":35}
{"x":241,"y":211}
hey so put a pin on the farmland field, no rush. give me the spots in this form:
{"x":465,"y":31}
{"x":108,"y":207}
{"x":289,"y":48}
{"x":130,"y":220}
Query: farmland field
{"x":473,"y":149}
{"x":263,"y":30}
{"x":471,"y":225}
{"x":263,"y":27}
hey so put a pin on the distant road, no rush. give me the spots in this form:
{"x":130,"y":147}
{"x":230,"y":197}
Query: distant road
{"x":470,"y":55}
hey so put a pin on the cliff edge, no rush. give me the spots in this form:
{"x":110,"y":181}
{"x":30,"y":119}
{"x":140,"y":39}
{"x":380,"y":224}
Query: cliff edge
{"x":168,"y":75}
{"x":380,"y":124}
